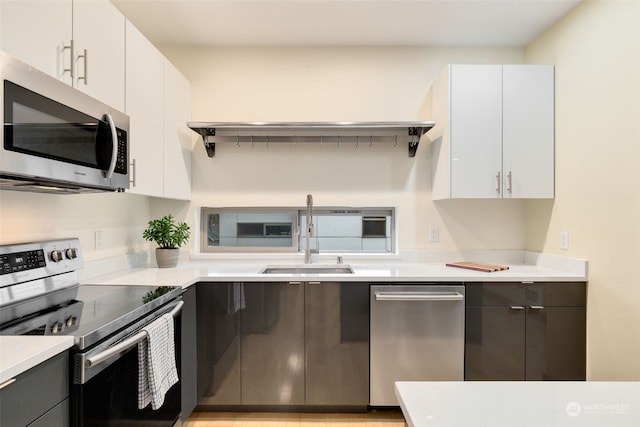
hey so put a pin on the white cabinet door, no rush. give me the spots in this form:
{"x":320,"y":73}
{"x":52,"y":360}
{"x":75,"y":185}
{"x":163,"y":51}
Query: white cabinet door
{"x":476,"y":130}
{"x":36,"y":32}
{"x":98,"y":28}
{"x":144,"y":81}
{"x":528,"y":131}
{"x":494,"y":133}
{"x":178,"y":138}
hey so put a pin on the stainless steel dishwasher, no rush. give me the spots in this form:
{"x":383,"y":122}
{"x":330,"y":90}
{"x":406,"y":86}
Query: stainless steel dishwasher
{"x":417,"y":334}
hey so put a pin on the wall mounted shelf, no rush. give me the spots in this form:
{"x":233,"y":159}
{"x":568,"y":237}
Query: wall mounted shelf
{"x":408,"y":132}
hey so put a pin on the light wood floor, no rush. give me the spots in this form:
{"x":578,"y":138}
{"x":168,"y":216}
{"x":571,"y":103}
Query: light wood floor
{"x":253,"y":419}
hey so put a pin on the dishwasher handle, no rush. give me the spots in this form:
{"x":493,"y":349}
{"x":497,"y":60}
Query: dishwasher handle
{"x":419,"y":296}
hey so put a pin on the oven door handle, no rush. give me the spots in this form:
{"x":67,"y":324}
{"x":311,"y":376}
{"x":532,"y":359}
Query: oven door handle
{"x":124,"y":344}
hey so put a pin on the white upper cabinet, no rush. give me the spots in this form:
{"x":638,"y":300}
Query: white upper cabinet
{"x":144,"y":106}
{"x":159,"y":107}
{"x":42,"y":47}
{"x":494,"y":133}
{"x":178,"y":138}
{"x":98,"y":35}
{"x":65,"y":38}
{"x":528,"y":131}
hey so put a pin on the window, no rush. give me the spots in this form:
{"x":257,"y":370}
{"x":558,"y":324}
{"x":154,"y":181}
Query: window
{"x":249,"y":229}
{"x":349,"y":230}
{"x":339,"y":230}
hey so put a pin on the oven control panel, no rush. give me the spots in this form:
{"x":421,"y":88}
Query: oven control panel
{"x":21,"y":261}
{"x":30,"y":261}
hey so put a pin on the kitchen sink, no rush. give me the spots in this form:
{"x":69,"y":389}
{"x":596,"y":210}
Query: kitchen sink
{"x":307,"y":269}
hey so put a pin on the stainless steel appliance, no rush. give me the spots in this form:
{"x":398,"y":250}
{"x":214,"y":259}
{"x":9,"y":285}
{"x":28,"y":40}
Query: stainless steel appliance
{"x":417,"y":334}
{"x":40,"y":295}
{"x":56,"y":139}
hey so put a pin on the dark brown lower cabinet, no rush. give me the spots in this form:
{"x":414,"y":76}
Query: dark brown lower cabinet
{"x":272,"y":344}
{"x":266,"y":344}
{"x":525,"y":331}
{"x":337,"y":344}
{"x":39,"y":396}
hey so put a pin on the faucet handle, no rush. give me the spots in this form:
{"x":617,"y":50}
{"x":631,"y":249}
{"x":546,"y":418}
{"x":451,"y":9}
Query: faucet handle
{"x":339,"y":260}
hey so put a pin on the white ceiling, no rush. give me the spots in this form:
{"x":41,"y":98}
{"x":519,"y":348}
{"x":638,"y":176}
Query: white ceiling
{"x":343,"y":22}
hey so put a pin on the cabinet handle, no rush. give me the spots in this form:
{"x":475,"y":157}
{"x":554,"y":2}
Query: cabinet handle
{"x":516,"y":307}
{"x":536,"y":307}
{"x":314,"y":283}
{"x":84,"y":57}
{"x":7,"y":383}
{"x":510,"y":187}
{"x":70,"y":69}
{"x":132,"y":181}
{"x":295,"y":283}
{"x":498,"y":184}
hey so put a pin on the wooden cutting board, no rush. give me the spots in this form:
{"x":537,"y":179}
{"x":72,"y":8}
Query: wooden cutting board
{"x":487,"y":268}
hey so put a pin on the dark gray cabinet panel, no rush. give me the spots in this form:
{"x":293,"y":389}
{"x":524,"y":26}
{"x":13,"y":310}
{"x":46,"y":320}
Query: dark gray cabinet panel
{"x":188,"y":353}
{"x":556,"y":344}
{"x":525,"y":331}
{"x":36,"y":392}
{"x":272,"y":330}
{"x":494,"y":343}
{"x":58,"y":416}
{"x":337,"y":344}
{"x":282,"y":344}
{"x":218,"y":308}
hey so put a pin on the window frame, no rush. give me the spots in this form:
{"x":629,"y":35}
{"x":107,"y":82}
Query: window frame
{"x":204,"y":236}
{"x":297,"y":234}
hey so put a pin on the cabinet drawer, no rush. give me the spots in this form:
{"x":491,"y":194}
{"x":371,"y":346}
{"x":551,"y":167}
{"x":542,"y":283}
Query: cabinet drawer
{"x":558,"y":294}
{"x":58,"y":416}
{"x":494,"y":294}
{"x":573,"y":294}
{"x":35,"y":392}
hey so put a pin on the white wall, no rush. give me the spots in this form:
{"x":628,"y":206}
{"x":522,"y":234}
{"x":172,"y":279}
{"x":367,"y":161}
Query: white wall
{"x":28,"y":217}
{"x":596,"y":50}
{"x":324,"y":84}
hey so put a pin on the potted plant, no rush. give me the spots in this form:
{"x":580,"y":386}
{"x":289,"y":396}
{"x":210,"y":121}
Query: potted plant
{"x":169,"y":235}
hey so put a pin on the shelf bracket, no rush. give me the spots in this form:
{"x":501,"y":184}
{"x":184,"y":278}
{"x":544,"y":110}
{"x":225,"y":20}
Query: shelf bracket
{"x":414,"y":133}
{"x":207,"y":137}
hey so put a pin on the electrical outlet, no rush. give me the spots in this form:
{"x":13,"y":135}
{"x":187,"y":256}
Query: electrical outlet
{"x":564,"y":240}
{"x":97,"y":239}
{"x":434,"y":234}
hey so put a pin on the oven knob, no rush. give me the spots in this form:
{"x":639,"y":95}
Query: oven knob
{"x":56,"y":256}
{"x":71,"y":253}
{"x":71,"y":321}
{"x":57,"y":328}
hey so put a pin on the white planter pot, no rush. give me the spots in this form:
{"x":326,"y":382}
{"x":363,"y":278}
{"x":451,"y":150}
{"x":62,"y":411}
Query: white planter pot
{"x":167,"y":258}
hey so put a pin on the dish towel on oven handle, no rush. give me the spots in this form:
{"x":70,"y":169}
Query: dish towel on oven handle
{"x":156,"y":362}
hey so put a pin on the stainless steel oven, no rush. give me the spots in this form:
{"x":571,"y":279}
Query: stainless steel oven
{"x":105,"y":380}
{"x":40,"y":295}
{"x":56,"y":138}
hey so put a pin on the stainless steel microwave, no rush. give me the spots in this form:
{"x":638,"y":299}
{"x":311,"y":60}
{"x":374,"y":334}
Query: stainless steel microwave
{"x":56,"y":139}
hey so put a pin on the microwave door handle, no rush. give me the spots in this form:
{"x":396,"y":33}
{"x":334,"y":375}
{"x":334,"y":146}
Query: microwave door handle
{"x":114,"y":153}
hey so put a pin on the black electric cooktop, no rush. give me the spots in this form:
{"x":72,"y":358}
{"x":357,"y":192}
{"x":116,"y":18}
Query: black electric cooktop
{"x":86,"y":312}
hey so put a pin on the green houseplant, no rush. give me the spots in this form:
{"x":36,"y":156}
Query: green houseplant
{"x":169,"y":235}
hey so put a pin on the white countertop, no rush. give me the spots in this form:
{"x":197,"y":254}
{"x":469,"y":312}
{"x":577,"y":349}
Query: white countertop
{"x":522,"y":404}
{"x":186,"y":274}
{"x":21,"y":353}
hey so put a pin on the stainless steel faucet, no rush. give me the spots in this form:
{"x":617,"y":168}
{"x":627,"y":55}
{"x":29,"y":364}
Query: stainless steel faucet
{"x":307,"y":251}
